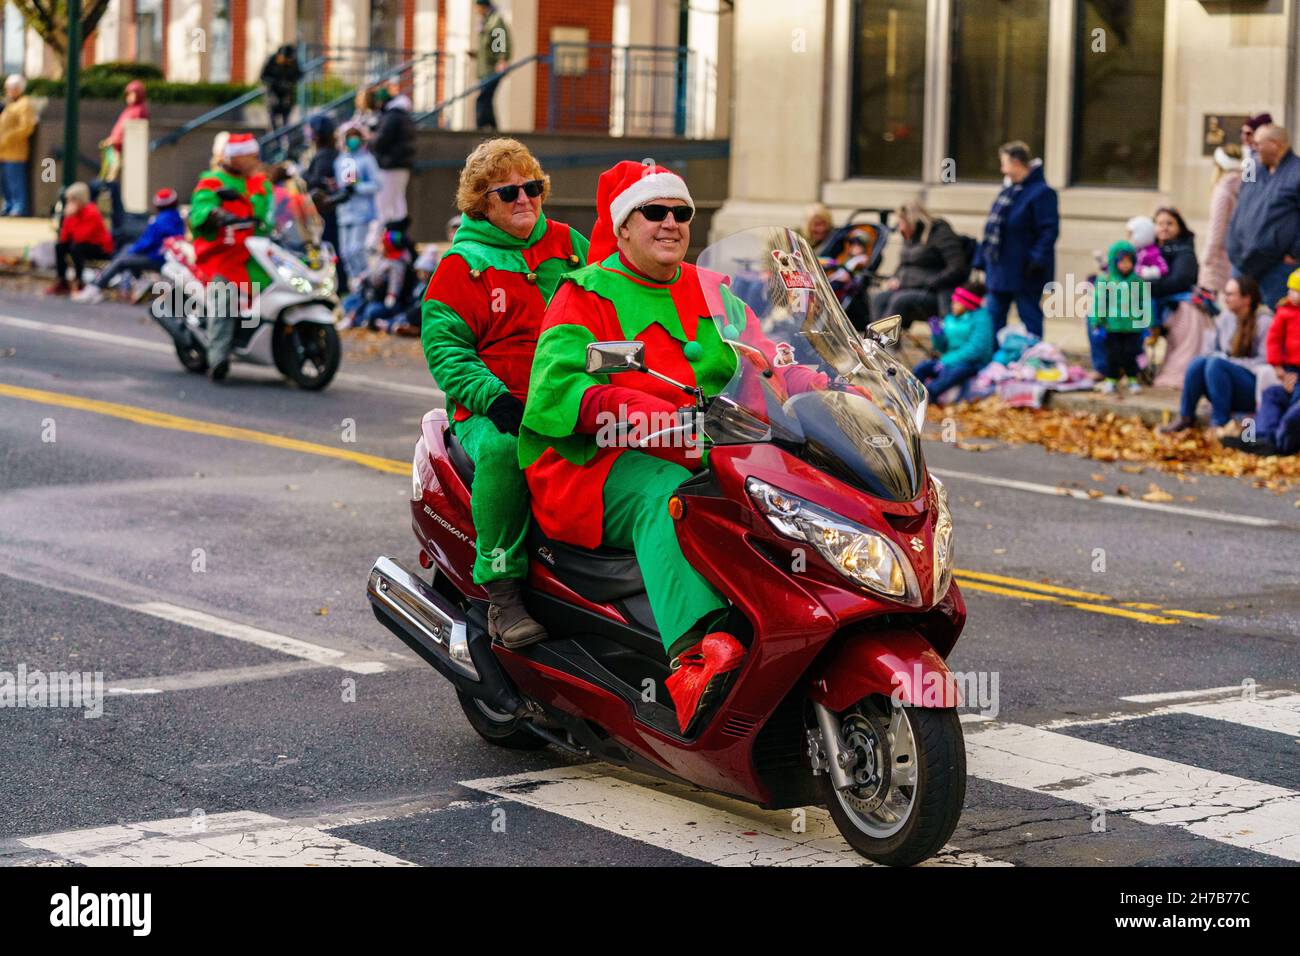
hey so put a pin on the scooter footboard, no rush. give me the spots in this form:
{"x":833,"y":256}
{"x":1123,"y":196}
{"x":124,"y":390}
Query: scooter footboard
{"x":894,"y":662}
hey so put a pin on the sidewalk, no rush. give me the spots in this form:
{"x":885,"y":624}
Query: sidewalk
{"x":17,"y":234}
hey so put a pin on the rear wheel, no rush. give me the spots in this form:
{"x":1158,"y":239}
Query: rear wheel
{"x":307,"y":353}
{"x":909,"y":777}
{"x":498,"y":727}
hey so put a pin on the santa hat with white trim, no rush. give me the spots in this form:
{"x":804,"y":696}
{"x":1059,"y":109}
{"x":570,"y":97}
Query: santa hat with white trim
{"x":623,"y":188}
{"x":240,"y":144}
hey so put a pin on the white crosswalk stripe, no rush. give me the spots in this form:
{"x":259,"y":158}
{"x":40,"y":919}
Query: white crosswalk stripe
{"x":689,"y":821}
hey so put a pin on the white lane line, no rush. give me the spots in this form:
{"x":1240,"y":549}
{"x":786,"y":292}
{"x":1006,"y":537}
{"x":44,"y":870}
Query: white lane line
{"x":1218,"y":806}
{"x":1171,"y":695}
{"x":1279,"y":713}
{"x":219,"y":677}
{"x":145,"y":345}
{"x":217,"y":839}
{"x":688,"y":821}
{"x":1060,"y":492}
{"x":256,"y":636}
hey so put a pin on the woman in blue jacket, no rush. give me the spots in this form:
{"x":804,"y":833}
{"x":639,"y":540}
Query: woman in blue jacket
{"x":1018,"y":254}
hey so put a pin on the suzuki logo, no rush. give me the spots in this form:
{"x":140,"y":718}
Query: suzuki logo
{"x":917,"y":544}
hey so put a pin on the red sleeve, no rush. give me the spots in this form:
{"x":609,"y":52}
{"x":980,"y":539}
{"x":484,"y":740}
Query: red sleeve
{"x":454,"y":286}
{"x":1276,"y":335}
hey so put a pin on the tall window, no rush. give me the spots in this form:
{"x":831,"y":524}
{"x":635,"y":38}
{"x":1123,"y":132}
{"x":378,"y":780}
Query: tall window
{"x":1119,"y":59}
{"x":148,"y":32}
{"x":219,"y":43}
{"x":888,"y":88}
{"x":998,"y":88}
{"x":12,"y":43}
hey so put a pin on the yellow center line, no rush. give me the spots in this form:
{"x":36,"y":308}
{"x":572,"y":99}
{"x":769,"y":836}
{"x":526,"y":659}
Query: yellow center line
{"x":1081,"y":605}
{"x":144,"y":416}
{"x":973,"y":580}
{"x":968,"y":578}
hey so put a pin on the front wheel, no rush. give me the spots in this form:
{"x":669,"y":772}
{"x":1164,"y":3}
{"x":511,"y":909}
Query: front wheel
{"x":307,"y":353}
{"x":192,"y":356}
{"x":498,"y":727}
{"x":909,"y":778}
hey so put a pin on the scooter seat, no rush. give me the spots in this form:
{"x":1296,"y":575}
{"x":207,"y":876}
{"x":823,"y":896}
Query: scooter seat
{"x":601,"y":575}
{"x":460,"y":460}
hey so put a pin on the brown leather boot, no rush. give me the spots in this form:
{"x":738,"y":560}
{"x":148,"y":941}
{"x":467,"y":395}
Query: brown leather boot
{"x":508,"y":619}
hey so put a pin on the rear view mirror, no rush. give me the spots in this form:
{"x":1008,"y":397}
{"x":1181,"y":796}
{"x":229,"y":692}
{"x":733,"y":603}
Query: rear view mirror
{"x":886,"y":331}
{"x":605,"y":358}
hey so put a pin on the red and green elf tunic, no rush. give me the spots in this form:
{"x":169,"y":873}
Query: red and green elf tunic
{"x":220,"y":253}
{"x":480,"y":320}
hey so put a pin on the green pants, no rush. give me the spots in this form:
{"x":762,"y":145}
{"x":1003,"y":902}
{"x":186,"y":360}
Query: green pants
{"x":499,"y":502}
{"x":223,"y":314}
{"x":636,"y":517}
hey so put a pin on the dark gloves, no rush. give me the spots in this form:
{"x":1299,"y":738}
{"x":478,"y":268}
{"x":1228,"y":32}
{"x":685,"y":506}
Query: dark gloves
{"x":506,"y":412}
{"x":228,"y":195}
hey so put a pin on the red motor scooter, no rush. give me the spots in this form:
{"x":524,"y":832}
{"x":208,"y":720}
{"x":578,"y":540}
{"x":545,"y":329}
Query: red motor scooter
{"x":816,"y":519}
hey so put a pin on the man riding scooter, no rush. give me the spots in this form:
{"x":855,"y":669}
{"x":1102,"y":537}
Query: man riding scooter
{"x":479,"y":325}
{"x":637,"y":287}
{"x":230,"y":203}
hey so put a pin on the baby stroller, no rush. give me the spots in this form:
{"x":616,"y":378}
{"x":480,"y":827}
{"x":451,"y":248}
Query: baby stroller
{"x":851,"y":256}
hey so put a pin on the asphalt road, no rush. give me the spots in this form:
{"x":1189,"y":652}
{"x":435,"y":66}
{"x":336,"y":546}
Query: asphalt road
{"x":256,"y":712}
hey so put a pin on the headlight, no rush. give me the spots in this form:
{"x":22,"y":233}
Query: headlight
{"x":942,"y":540}
{"x":861,"y":555}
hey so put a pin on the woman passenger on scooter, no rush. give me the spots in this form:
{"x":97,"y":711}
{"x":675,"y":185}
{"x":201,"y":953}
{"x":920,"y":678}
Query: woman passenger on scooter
{"x":636,"y":287}
{"x":480,"y":320}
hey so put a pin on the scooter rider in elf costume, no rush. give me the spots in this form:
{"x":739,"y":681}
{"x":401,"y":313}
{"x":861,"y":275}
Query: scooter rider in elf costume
{"x":637,"y":287}
{"x":232,"y":192}
{"x":481,"y":317}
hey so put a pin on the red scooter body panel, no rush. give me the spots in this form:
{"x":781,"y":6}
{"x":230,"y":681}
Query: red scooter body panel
{"x":879,"y":662}
{"x":795,"y":614}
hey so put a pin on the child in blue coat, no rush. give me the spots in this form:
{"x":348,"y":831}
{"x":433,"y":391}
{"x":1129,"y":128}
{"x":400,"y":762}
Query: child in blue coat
{"x":964,"y":343}
{"x":143,"y":255}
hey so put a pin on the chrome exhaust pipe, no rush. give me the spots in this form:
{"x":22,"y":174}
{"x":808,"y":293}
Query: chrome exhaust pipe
{"x":426,"y":621}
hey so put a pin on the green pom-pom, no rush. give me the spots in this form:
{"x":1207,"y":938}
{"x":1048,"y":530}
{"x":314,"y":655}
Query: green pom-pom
{"x":730,"y":332}
{"x":693,"y":351}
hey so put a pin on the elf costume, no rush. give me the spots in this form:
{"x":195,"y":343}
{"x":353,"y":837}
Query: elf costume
{"x":480,"y":320}
{"x":219,"y":251}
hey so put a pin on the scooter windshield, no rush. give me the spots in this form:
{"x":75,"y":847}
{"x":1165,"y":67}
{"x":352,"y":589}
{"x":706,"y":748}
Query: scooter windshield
{"x":805,"y":378}
{"x":298,"y":225}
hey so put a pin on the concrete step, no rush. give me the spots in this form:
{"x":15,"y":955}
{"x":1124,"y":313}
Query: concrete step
{"x":18,"y":234}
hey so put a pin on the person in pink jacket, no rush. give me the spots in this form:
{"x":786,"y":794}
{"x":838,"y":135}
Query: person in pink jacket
{"x":1216,"y":270}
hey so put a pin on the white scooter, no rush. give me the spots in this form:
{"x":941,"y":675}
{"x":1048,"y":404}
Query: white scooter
{"x":290,"y":323}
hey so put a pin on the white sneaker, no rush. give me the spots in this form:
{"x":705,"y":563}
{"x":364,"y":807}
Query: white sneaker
{"x":1134,"y":387}
{"x":89,"y":294}
{"x":1107,"y":386}
{"x":141,"y":288}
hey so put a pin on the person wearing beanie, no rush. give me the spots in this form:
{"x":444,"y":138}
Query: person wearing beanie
{"x":480,"y":322}
{"x":638,"y":287}
{"x":964,"y":343}
{"x":143,"y":255}
{"x":230,"y":204}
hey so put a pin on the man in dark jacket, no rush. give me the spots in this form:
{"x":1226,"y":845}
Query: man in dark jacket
{"x":280,"y":76}
{"x":1264,"y":235}
{"x":394,"y":152}
{"x":1018,"y":254}
{"x":931,"y":264}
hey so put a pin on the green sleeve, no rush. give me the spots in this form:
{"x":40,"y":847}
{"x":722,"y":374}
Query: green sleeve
{"x":202,"y":204}
{"x":264,"y":210}
{"x":559,"y":379}
{"x":451,"y":349}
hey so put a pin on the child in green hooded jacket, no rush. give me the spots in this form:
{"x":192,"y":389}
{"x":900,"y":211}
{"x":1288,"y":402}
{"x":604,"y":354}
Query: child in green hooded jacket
{"x":1121,"y":304}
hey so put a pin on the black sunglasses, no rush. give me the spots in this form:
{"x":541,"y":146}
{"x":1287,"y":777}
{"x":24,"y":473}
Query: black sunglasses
{"x":657,"y":212}
{"x":532,"y":189}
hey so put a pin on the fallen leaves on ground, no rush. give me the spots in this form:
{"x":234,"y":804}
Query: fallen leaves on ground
{"x":1112,"y":438}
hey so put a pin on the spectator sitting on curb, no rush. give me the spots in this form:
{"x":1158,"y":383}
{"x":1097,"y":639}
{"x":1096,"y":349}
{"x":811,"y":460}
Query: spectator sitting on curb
{"x":143,"y":255}
{"x":1227,"y":376}
{"x":83,"y":238}
{"x":963,"y":343}
{"x":1119,"y":305}
{"x":385,"y":287}
{"x":1277,"y":426}
{"x":931,"y":263}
